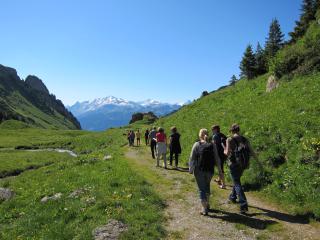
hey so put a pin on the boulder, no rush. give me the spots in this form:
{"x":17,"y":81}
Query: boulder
{"x":6,"y":194}
{"x":110,"y":231}
{"x":272,"y":83}
{"x":149,"y":116}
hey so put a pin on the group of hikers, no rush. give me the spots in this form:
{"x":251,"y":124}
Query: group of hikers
{"x":207,"y":152}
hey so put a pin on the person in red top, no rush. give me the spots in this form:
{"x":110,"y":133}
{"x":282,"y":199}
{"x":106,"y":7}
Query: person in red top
{"x":161,"y":146}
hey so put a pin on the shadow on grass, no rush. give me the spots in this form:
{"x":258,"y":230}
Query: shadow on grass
{"x":241,"y":219}
{"x":179,"y":169}
{"x":282,"y":216}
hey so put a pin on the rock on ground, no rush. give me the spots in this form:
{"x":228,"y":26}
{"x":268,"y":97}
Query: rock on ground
{"x":76,"y":193}
{"x":272,"y":83}
{"x":107,"y":157}
{"x":6,"y":194}
{"x":54,"y":197}
{"x":110,"y":231}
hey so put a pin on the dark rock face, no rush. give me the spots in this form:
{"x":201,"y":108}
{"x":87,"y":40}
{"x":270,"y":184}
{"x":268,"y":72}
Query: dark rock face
{"x":36,"y":83}
{"x":34,"y":91}
{"x":150,"y":116}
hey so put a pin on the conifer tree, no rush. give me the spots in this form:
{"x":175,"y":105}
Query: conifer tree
{"x":274,"y":40}
{"x":248,"y":64}
{"x":308,"y":10}
{"x":233,"y":80}
{"x":261,"y":63}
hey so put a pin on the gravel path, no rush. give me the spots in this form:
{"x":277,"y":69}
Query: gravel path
{"x":178,"y":188}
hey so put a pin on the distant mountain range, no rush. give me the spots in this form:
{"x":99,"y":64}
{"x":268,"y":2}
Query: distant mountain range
{"x":30,"y":101}
{"x":103,"y":113}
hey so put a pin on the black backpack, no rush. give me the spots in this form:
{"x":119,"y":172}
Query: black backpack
{"x":241,"y":154}
{"x":206,"y":160}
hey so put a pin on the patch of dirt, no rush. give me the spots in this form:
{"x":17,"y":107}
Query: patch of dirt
{"x":110,"y":231}
{"x":179,"y":190}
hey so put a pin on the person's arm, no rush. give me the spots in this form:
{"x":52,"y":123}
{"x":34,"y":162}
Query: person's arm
{"x":193,"y":157}
{"x":227,"y":150}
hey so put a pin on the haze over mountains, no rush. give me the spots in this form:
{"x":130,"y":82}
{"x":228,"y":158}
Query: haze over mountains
{"x":103,"y":113}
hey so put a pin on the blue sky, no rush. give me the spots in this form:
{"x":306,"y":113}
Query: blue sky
{"x":168,"y":50}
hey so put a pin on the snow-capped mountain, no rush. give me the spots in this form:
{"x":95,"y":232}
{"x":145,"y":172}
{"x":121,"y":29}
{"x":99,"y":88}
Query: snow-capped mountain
{"x":103,"y":113}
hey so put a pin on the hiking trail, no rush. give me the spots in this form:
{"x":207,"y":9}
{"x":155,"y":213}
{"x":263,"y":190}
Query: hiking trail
{"x":183,"y":221}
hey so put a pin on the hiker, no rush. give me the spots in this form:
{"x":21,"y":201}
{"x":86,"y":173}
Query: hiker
{"x":146,"y":136}
{"x":238,"y":150}
{"x":161,"y":147}
{"x":174,"y":145}
{"x":220,"y":140}
{"x":203,"y":157}
{"x":153,"y":141}
{"x":132,"y":137}
{"x":129,"y":137}
{"x":138,"y":135}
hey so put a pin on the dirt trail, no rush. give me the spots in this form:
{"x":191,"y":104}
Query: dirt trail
{"x":178,"y":189}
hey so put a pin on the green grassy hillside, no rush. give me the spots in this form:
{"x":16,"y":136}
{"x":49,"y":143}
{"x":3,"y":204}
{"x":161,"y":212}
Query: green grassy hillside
{"x":30,"y":102}
{"x":283,"y":127}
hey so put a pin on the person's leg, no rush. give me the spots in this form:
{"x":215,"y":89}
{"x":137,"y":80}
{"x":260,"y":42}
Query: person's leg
{"x":165,"y":160}
{"x":176,"y":158}
{"x":158,"y":156}
{"x":237,"y":188}
{"x":201,"y":183}
{"x":222,"y":180}
{"x":171,"y":157}
{"x":208,"y":179}
{"x":152,"y":146}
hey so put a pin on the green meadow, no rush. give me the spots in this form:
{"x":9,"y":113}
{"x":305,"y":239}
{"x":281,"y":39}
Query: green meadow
{"x":109,"y":188}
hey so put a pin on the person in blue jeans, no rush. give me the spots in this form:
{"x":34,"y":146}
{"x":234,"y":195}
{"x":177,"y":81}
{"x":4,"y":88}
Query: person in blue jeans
{"x":236,"y":170}
{"x":203,"y":173}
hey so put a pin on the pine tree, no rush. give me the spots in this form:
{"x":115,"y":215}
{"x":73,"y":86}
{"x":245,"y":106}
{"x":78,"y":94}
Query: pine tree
{"x":308,"y":11}
{"x":274,"y":40}
{"x":233,"y":80}
{"x":316,"y":5}
{"x":248,"y":64}
{"x":261,"y":63}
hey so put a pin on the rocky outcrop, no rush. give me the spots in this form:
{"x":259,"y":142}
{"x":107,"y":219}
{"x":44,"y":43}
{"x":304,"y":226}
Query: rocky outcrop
{"x":272,"y":83}
{"x":36,"y":83}
{"x":150,"y":117}
{"x":35,"y":92}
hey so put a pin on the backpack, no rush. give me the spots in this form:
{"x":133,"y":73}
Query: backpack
{"x":206,"y":160}
{"x":241,"y":154}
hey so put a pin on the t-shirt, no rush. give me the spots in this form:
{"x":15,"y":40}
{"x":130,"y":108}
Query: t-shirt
{"x":152,"y":134}
{"x":138,"y":134}
{"x":220,"y":139}
{"x":161,"y":137}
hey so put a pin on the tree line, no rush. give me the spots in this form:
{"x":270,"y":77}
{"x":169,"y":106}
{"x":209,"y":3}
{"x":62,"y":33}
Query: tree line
{"x":256,"y":62}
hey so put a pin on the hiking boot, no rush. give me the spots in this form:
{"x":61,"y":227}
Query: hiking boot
{"x":205,"y":207}
{"x":244,"y":209}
